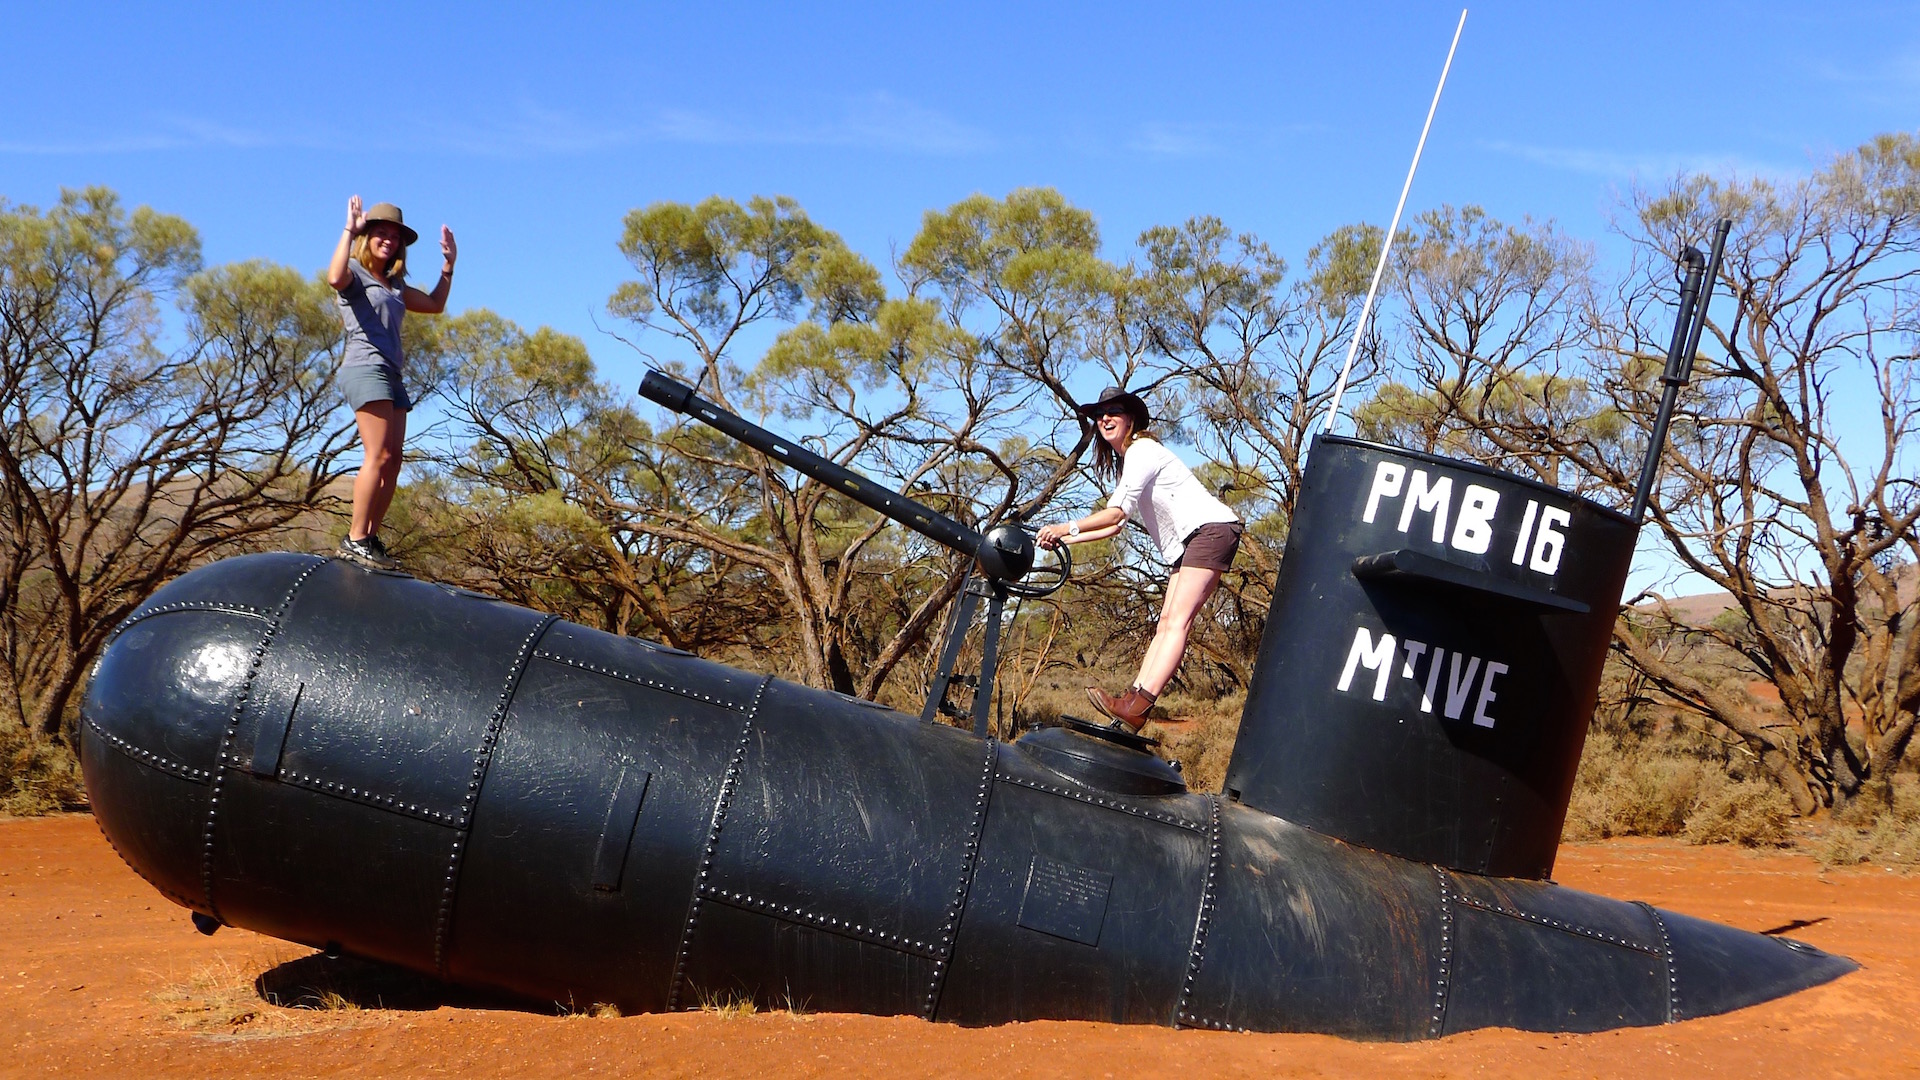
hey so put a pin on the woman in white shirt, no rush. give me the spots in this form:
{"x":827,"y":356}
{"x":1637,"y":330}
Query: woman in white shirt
{"x":1195,"y":532}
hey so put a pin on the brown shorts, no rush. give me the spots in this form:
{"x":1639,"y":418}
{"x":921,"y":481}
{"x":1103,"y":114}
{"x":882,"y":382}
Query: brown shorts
{"x":1212,"y":546}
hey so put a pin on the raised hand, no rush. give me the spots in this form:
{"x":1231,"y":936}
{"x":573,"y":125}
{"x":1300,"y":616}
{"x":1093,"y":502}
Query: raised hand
{"x":356,"y":220}
{"x":447,"y":248}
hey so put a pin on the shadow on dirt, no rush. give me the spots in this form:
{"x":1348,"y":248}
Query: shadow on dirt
{"x":349,"y":982}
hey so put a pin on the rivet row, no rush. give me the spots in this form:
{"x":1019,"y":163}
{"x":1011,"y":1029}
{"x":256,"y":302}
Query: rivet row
{"x":145,"y":613}
{"x":639,"y":680}
{"x":1557,"y":924}
{"x":1196,"y":954}
{"x":1110,"y":804}
{"x":443,"y":922}
{"x":824,"y":922}
{"x":970,"y":862}
{"x":384,"y":802}
{"x":148,"y":757}
{"x":734,"y":766}
{"x":1187,"y":1019}
{"x":1673,"y":972}
{"x":1442,"y":983}
{"x":233,"y":727}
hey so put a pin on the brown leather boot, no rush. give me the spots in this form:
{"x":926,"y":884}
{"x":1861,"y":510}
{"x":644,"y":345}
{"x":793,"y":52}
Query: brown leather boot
{"x":1129,"y":708}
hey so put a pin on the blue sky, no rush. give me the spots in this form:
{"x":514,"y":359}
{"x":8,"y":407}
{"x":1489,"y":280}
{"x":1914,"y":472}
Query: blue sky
{"x":532,"y":133}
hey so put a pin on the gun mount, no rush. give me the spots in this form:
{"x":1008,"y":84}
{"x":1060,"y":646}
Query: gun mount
{"x":1004,"y":553}
{"x":1002,"y":556}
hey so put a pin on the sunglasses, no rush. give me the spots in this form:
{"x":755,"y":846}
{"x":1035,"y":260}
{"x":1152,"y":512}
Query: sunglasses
{"x":1110,"y":410}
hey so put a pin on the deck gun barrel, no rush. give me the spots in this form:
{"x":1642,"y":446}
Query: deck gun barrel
{"x":1004,"y":553}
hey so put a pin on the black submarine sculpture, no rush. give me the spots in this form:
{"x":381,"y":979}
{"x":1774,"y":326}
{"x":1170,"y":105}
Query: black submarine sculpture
{"x":413,"y":773}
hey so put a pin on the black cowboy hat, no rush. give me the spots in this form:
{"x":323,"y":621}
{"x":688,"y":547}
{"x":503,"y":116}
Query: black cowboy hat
{"x":1115,"y":396}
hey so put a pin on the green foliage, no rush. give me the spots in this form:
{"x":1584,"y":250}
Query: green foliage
{"x":706,"y":270}
{"x":125,"y":463}
{"x":1029,"y":243}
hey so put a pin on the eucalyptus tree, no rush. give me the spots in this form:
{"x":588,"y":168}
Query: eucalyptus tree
{"x":1788,"y":480}
{"x":1787,"y":476}
{"x":1490,"y":346}
{"x":940,"y":390}
{"x":1252,"y":358}
{"x":125,"y":463}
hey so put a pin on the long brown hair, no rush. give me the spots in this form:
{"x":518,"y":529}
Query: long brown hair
{"x":396,"y":266}
{"x":1106,"y":463}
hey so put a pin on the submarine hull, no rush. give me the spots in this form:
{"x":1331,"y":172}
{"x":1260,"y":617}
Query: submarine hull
{"x":432,"y":778}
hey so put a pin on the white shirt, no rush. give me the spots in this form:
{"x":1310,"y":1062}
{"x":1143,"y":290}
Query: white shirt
{"x":1160,"y":492}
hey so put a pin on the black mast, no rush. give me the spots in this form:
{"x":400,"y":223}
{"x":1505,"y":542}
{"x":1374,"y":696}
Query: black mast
{"x":1688,"y":322}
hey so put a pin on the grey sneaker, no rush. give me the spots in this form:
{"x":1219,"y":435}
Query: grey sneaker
{"x":368,"y":552}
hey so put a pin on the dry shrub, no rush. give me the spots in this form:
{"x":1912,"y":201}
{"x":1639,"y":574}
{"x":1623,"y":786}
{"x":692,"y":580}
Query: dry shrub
{"x":38,"y":776}
{"x":1887,"y":836}
{"x":1206,"y":746}
{"x":1751,"y":813}
{"x":1038,"y":713}
{"x":1638,"y":787}
{"x":1621,"y":793}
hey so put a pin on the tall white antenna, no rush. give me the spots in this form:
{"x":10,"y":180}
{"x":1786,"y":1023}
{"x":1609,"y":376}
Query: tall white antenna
{"x":1366,"y":310}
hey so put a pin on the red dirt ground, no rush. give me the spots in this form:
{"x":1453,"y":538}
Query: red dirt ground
{"x":99,"y":976}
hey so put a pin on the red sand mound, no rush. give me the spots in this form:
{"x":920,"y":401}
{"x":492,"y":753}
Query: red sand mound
{"x":101,"y":977}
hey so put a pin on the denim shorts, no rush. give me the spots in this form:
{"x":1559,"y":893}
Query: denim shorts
{"x":1212,"y":546}
{"x":363,"y":383}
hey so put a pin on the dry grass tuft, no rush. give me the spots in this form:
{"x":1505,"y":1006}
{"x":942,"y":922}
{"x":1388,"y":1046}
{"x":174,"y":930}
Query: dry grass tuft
{"x":38,"y":776}
{"x":599,"y":1010}
{"x":727,"y":1004}
{"x":221,"y":1000}
{"x":1751,"y":813}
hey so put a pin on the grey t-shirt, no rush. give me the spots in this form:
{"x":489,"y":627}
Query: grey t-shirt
{"x":372,"y":313}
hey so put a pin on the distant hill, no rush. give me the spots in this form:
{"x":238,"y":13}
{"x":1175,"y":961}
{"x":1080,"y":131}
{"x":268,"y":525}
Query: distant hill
{"x":1700,"y":609}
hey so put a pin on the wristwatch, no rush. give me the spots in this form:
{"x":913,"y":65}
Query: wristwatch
{"x":1074,"y":529}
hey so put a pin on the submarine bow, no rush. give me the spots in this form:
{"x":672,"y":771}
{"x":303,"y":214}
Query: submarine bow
{"x":425,"y":776}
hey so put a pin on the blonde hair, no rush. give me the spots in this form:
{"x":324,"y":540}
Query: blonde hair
{"x":396,"y":267}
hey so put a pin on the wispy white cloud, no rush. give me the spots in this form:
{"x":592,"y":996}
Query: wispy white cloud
{"x":1894,"y":79}
{"x":1168,"y":139}
{"x":884,"y":121}
{"x":878,"y":121}
{"x":166,"y":132}
{"x":1617,"y":165}
{"x":1173,"y":140}
{"x":529,"y":129}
